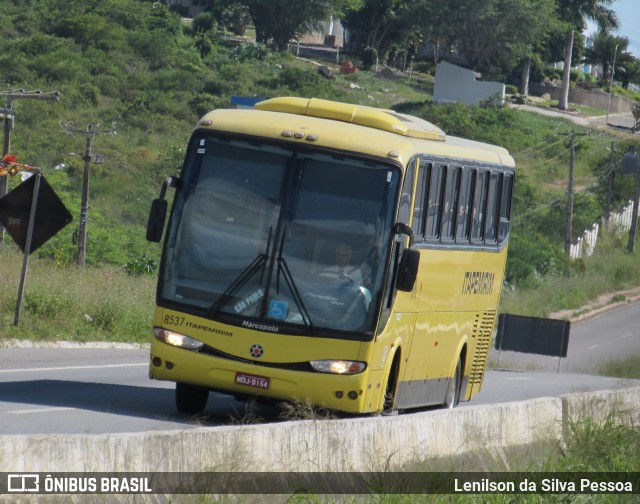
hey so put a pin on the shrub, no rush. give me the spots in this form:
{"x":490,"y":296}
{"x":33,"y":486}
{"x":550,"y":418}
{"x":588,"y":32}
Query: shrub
{"x":303,"y":82}
{"x":236,"y":18}
{"x":245,"y":52}
{"x":142,"y":266}
{"x":204,"y":22}
{"x":105,"y":315}
{"x":369,"y":56}
{"x":45,"y":303}
{"x":531,"y":257}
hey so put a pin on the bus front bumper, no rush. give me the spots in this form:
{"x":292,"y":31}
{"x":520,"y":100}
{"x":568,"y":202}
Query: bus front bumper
{"x":340,"y":392}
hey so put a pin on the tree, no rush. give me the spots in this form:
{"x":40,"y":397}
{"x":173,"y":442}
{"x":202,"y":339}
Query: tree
{"x":606,"y":49}
{"x":278,"y":21}
{"x":501,"y":33}
{"x":574,"y":13}
{"x":538,"y":23}
{"x":630,"y":72}
{"x":380,"y":24}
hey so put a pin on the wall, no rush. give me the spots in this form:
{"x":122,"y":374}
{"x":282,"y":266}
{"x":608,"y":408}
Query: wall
{"x":357,"y":444}
{"x":457,"y":84}
{"x":595,"y":99}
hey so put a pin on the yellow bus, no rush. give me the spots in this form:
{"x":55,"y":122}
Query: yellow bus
{"x":339,"y":254}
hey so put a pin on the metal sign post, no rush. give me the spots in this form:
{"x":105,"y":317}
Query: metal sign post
{"x":32,"y":213}
{"x":27,"y":248}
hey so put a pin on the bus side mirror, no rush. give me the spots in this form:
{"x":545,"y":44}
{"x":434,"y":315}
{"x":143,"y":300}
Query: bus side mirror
{"x":155,"y":224}
{"x":409,"y":261}
{"x":158,"y":212}
{"x":408,"y":270}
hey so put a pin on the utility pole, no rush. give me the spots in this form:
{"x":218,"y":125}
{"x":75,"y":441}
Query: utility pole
{"x":8,"y":118}
{"x":569,"y":239}
{"x":613,"y":71}
{"x":84,"y":204}
{"x":610,"y":181}
{"x":570,"y":190}
{"x":631,"y":166}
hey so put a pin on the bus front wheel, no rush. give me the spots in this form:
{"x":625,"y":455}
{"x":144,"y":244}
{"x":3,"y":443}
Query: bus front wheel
{"x":191,"y":399}
{"x":389,"y":406}
{"x":452,"y":398}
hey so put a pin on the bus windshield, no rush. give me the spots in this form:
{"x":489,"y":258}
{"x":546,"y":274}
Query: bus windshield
{"x":280,"y":238}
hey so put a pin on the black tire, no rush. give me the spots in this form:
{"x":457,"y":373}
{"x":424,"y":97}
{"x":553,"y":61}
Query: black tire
{"x":191,"y":399}
{"x":389,"y":406}
{"x":452,"y":398}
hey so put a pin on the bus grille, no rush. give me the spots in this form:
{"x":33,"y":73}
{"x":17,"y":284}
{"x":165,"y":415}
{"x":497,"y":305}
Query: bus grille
{"x":482,"y":330}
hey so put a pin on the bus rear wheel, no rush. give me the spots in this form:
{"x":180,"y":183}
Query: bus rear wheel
{"x":191,"y":399}
{"x":452,"y":398}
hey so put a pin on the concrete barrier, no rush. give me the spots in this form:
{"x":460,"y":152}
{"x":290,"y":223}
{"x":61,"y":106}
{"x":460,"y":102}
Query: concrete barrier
{"x":360,"y":444}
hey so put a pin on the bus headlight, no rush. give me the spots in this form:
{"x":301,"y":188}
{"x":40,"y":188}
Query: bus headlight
{"x":338,"y":366}
{"x":176,"y":339}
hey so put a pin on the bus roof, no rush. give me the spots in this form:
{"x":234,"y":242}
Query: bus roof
{"x":348,"y":127}
{"x":386,"y":120}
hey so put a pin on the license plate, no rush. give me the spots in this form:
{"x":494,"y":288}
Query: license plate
{"x":261,"y":382}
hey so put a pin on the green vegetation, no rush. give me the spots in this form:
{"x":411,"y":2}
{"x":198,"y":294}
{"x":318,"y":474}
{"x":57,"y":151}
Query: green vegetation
{"x":140,"y":65}
{"x":72,"y":304}
{"x":610,"y":269}
{"x":628,"y":368}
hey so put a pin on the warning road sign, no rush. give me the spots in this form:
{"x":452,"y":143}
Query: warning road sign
{"x":50,"y":216}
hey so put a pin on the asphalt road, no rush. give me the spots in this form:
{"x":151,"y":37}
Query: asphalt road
{"x":610,"y":336}
{"x":106,"y":390}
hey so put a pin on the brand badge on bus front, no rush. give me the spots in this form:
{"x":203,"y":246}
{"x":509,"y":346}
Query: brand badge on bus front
{"x":256,"y":351}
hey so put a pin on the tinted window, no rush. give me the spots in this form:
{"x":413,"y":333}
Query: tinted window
{"x":434,"y":201}
{"x":417,"y":223}
{"x":493,"y":204}
{"x":465,"y":204}
{"x":450,"y":203}
{"x":505,"y":207}
{"x":479,"y":206}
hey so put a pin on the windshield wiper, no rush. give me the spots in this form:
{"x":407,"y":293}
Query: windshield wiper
{"x":283,"y":269}
{"x":241,"y":280}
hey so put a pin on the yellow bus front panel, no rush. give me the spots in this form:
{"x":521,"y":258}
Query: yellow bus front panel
{"x":227,"y":364}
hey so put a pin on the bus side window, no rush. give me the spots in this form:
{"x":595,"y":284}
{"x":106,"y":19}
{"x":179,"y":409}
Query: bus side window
{"x":479,"y":207}
{"x":405,"y":196}
{"x":417,"y":222}
{"x":434,"y":202}
{"x":493,"y":206}
{"x":505,"y":207}
{"x":450,"y":203}
{"x":465,"y":205}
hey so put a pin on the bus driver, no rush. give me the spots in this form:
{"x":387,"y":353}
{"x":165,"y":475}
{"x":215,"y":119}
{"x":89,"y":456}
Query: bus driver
{"x":342,"y":267}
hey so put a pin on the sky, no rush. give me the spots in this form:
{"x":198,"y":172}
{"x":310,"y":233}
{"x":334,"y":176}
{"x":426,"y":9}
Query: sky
{"x":629,"y":15}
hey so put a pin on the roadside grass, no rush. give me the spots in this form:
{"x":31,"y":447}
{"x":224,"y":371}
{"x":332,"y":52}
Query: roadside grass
{"x":609,"y":270}
{"x":583,"y":109}
{"x":71,"y":303}
{"x":629,"y":368}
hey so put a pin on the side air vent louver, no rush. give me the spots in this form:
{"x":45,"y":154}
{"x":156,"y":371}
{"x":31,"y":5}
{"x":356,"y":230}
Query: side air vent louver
{"x":482,"y":330}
